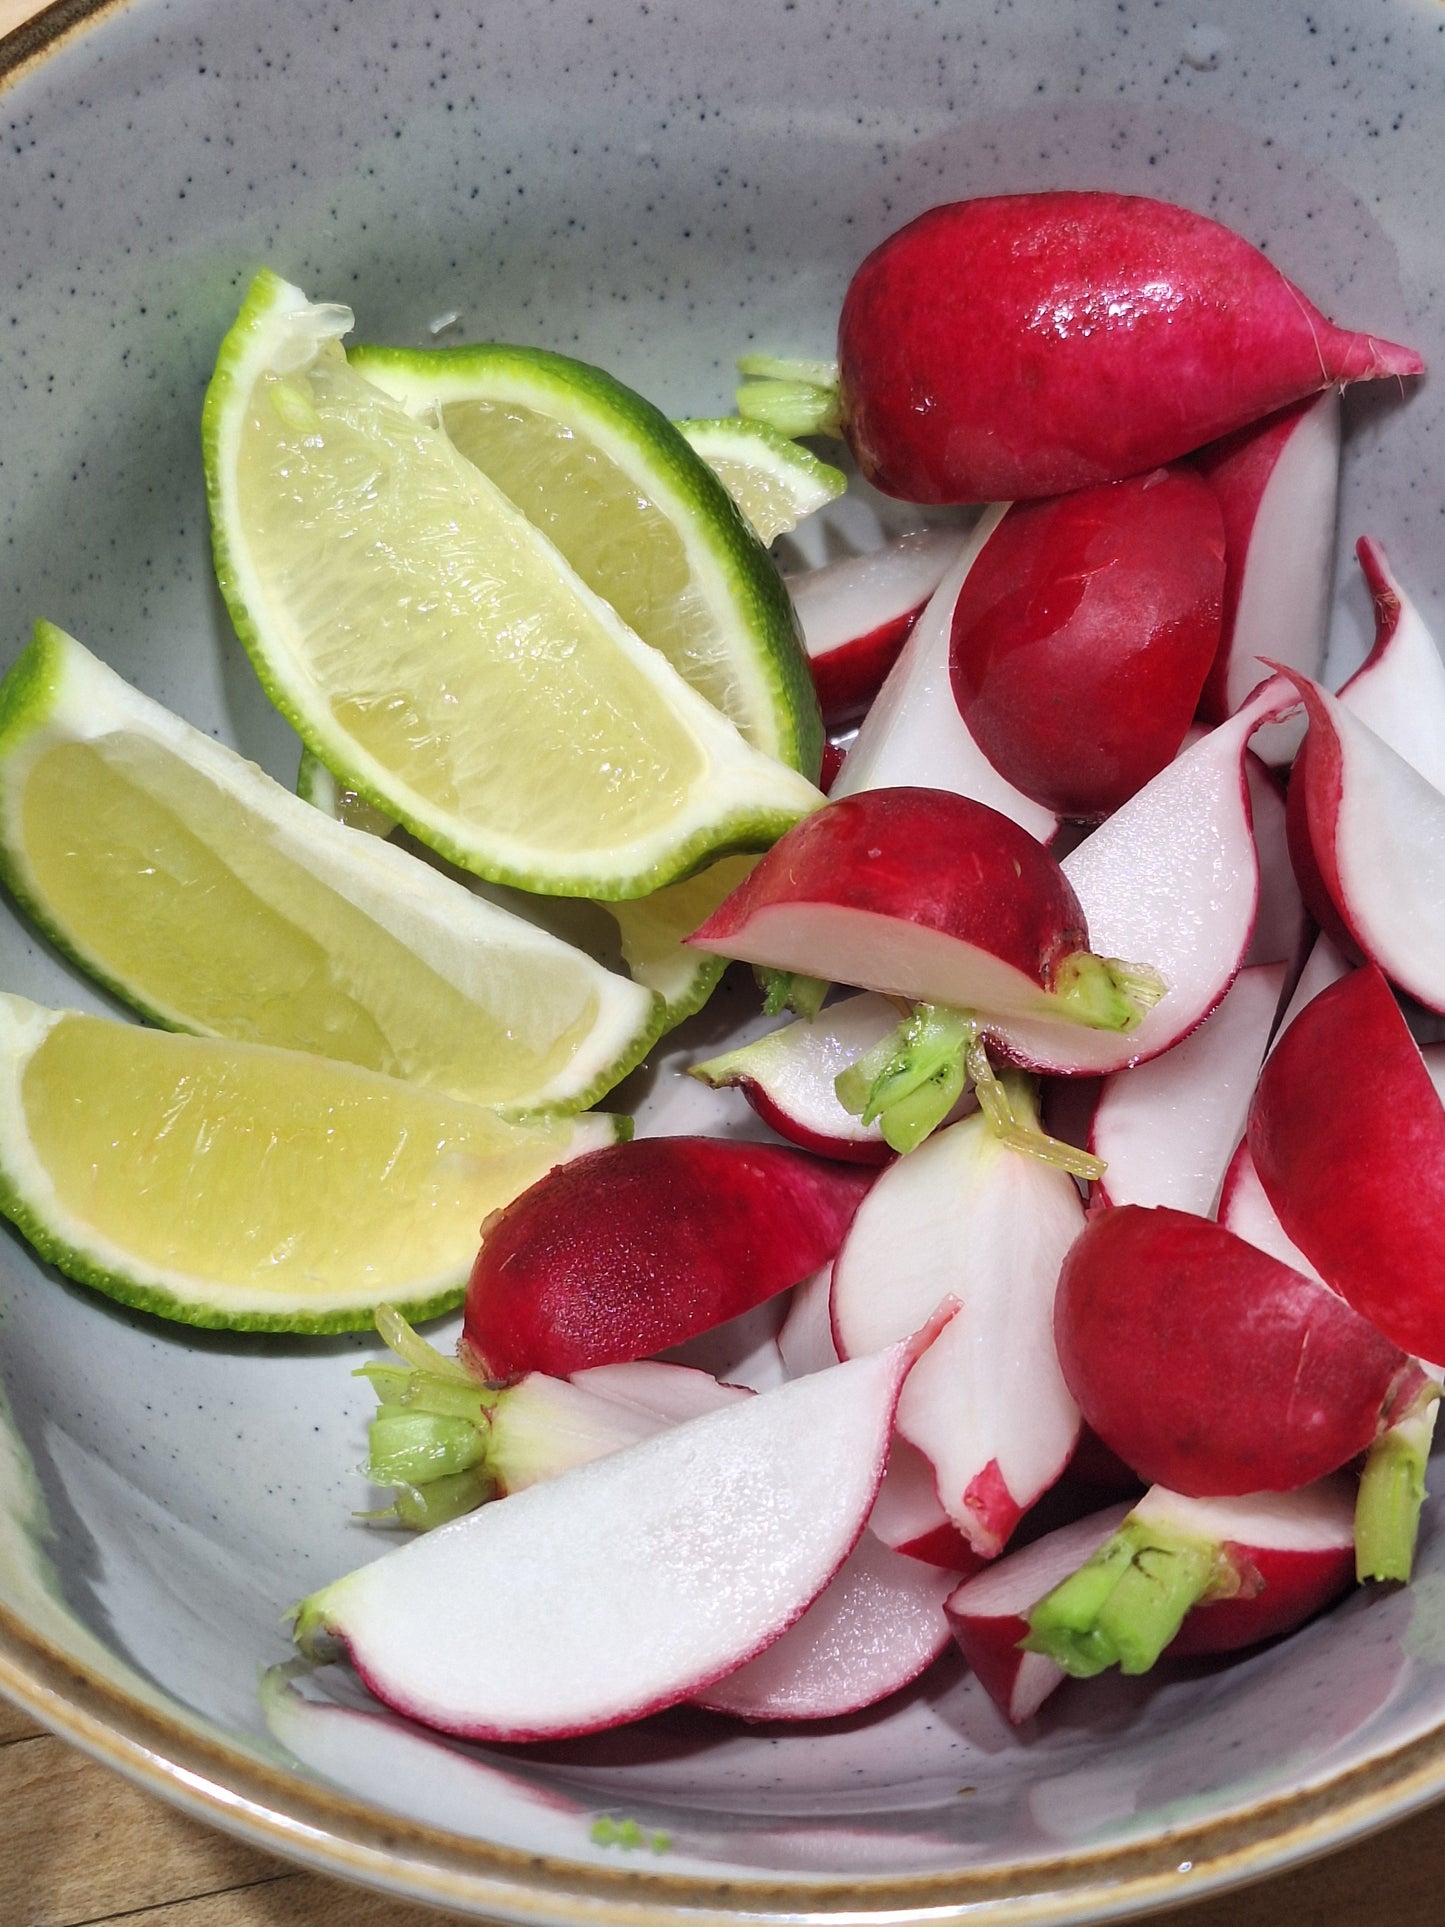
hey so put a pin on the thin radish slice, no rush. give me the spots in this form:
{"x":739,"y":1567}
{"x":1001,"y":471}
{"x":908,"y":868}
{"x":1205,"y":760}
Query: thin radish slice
{"x":1277,"y":483}
{"x":788,"y":1077}
{"x":1282,"y":925}
{"x":857,"y":613}
{"x":966,"y":1217}
{"x":658,"y":1389}
{"x":989,"y":1612}
{"x":870,"y":1632}
{"x":1399,"y":689}
{"x":628,"y":1584}
{"x":1171,"y":880}
{"x":806,"y":1339}
{"x":1376,"y":835}
{"x":1166,"y":1130}
{"x":1245,"y":1209}
{"x":914,"y":735}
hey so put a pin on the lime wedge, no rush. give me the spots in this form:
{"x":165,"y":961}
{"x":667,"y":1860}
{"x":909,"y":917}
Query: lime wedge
{"x":652,"y":931}
{"x":775,"y":483}
{"x":316,"y":785}
{"x":254,"y":1189}
{"x":641,"y":517}
{"x":215,"y":901}
{"x":438,"y":653}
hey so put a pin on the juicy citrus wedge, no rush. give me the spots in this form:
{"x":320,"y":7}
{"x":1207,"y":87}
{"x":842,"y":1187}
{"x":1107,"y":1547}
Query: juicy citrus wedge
{"x":237,"y":1186}
{"x":775,"y":483}
{"x":438,"y":653}
{"x":652,"y":930}
{"x":215,"y":901}
{"x":643,"y":518}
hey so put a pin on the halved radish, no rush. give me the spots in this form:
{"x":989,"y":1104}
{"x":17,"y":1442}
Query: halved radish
{"x":1399,"y":689}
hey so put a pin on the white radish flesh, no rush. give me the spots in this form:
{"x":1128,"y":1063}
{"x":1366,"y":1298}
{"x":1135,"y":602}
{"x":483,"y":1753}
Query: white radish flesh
{"x":1399,"y":690}
{"x":630,"y":1583}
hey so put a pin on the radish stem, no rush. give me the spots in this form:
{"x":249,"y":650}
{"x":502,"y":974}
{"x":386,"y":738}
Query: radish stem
{"x":1008,"y":1102}
{"x":1392,"y":1490}
{"x":794,"y":397}
{"x":790,"y":990}
{"x":1124,"y":1605}
{"x":911,"y":1081}
{"x":1103,"y":992}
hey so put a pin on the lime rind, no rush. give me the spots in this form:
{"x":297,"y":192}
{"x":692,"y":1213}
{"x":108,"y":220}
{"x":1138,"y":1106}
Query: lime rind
{"x":759,"y":675}
{"x":317,"y":786}
{"x":491,"y":961}
{"x":86,"y":1254}
{"x":653,"y":932}
{"x":774,"y":482}
{"x":729,"y":796}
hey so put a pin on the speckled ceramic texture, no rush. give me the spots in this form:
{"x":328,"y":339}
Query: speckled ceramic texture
{"x":657,"y":185}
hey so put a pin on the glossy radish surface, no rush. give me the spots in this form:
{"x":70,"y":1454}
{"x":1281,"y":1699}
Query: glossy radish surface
{"x":966,"y":1218}
{"x":1277,"y":483}
{"x":1083,"y":634}
{"x":857,"y":613}
{"x":1026,"y":345}
{"x":874,"y":1628}
{"x":645,"y":1249}
{"x":1210,"y":1367}
{"x":630,"y":1583}
{"x":1354,"y":1166}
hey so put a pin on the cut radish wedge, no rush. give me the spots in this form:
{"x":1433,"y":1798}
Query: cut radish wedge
{"x":857,"y":613}
{"x":1399,"y":689}
{"x":869,"y":1633}
{"x":628,"y":1584}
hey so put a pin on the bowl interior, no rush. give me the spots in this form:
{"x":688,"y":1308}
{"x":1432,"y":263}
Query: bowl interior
{"x":657,"y":191}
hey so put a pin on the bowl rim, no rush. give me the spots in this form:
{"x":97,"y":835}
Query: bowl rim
{"x":190,"y":1765}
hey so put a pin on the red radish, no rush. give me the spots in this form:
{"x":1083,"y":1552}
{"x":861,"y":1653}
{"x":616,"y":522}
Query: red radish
{"x":925,"y":895}
{"x":1277,"y":482}
{"x":857,"y":613}
{"x":1210,"y":1367}
{"x":869,"y":1633}
{"x":1030,"y":344}
{"x":907,"y":1515}
{"x":1184,"y":1575}
{"x":628,"y":1584}
{"x":788,"y":1077}
{"x":1347,"y":1132}
{"x":1282,"y":926}
{"x":1083,"y":634}
{"x":914,"y":736}
{"x":1166,"y":1130}
{"x":988,"y":1613}
{"x":1375,"y":829}
{"x":644,"y":1249}
{"x":965,"y":1217}
{"x":1399,"y":690}
{"x":1170,"y":879}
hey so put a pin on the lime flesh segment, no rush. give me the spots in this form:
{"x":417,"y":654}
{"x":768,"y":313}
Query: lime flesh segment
{"x":642,"y":517}
{"x":215,"y":901}
{"x":437,"y":652}
{"x":235,"y":1186}
{"x":774,"y":482}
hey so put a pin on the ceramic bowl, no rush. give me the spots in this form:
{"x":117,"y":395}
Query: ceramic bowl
{"x":656,"y":185}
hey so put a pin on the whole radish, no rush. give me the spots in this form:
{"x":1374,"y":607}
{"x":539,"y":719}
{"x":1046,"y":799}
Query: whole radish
{"x":1029,"y":344}
{"x":1083,"y":634}
{"x":646,"y":1249}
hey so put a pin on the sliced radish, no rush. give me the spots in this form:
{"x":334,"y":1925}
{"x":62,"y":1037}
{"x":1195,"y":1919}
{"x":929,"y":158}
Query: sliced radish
{"x":1277,"y":483}
{"x":965,"y":1217}
{"x":1282,"y":925}
{"x":1166,"y":1130}
{"x":1399,"y":689}
{"x":857,"y":613}
{"x":628,"y":1584}
{"x":870,"y":1632}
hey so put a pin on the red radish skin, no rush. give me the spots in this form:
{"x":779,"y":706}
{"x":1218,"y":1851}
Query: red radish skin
{"x":1030,"y":344}
{"x":867,"y":1635}
{"x":1354,"y":1165}
{"x":914,"y":736}
{"x":857,"y":613}
{"x":1083,"y":634}
{"x":1212,"y":1368}
{"x":916,"y":893}
{"x":1375,"y":834}
{"x":647,"y":1248}
{"x":628,"y":1584}
{"x":1277,"y":483}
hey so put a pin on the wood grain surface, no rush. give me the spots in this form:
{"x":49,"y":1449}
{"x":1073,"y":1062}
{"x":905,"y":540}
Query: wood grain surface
{"x":81,"y":1847}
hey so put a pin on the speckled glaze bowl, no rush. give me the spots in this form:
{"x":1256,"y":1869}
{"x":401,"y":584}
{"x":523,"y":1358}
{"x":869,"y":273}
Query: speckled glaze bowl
{"x":656,"y":185}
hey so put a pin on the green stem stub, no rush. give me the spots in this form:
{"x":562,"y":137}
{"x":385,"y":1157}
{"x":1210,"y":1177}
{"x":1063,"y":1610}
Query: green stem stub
{"x":794,"y":397}
{"x":1010,"y":1104}
{"x":1124,"y":1605}
{"x":1104,"y":993}
{"x":1392,"y":1491}
{"x":430,"y":1440}
{"x":909,"y":1082}
{"x":789,"y":990}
